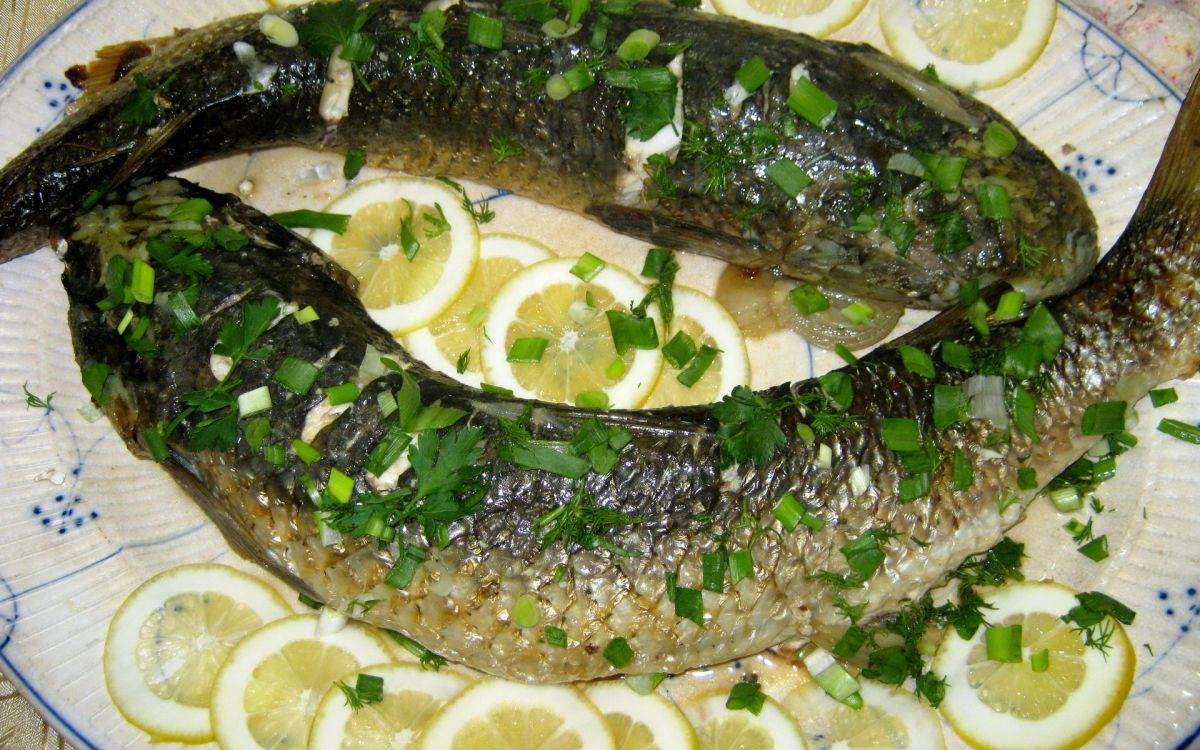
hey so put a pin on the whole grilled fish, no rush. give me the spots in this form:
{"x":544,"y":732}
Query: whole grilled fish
{"x":458,"y":543}
{"x":901,"y":160}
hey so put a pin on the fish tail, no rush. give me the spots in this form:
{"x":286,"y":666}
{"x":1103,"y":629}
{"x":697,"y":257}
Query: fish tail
{"x":1176,"y":181}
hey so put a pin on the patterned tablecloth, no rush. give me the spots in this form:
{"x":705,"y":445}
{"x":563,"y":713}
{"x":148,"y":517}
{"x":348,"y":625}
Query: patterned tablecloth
{"x":1167,"y":32}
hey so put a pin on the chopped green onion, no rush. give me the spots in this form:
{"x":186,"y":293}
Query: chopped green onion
{"x":858,"y":313}
{"x":945,"y":172}
{"x":587,"y":267}
{"x":1004,"y":643}
{"x":993,"y":201}
{"x":1163,"y":396}
{"x":579,"y":77}
{"x":128,"y":318}
{"x":962,"y":470}
{"x":340,"y":487}
{"x":405,"y":568}
{"x":846,"y":355}
{"x":297,"y":375}
{"x":644,"y":684}
{"x":1097,"y":549}
{"x":1042,"y":328}
{"x":140,"y":329}
{"x":528,"y":350}
{"x":599,"y":32}
{"x":957,"y":355}
{"x":863,"y":555}
{"x":576,"y":9}
{"x":183,"y":312}
{"x":1066,"y":499}
{"x":526,"y":611}
{"x":679,"y":350}
{"x":386,"y":400}
{"x":643,"y":80}
{"x":788,"y":176}
{"x":788,"y":510}
{"x":753,"y":74}
{"x":555,"y":28}
{"x":864,"y":222}
{"x":557,"y":87}
{"x":747,"y":695}
{"x":1103,"y":418}
{"x":900,"y":232}
{"x":254,"y":401}
{"x":1023,"y":409}
{"x":388,"y":450}
{"x":950,"y":234}
{"x":689,"y":604}
{"x":808,"y":299}
{"x":1104,"y":470}
{"x":141,"y":282}
{"x":615,"y":369}
{"x":657,"y":260}
{"x":911,"y":488}
{"x":369,"y":688}
{"x":306,"y":219}
{"x":837,"y":682}
{"x":1040,"y":660}
{"x":741,"y":566}
{"x":901,"y":434}
{"x":998,"y":141}
{"x":193,"y":209}
{"x":631,"y":332}
{"x":918,"y":461}
{"x":618,"y":652}
{"x":305,"y":452}
{"x":592,"y":400}
{"x":700,"y":364}
{"x":477,"y":315}
{"x":556,"y":637}
{"x":496,"y":390}
{"x":1182,"y":430}
{"x":816,"y":523}
{"x":485,"y":31}
{"x":712,"y":565}
{"x":1009,"y":306}
{"x":355,"y":160}
{"x":1027,"y":479}
{"x":812,"y":103}
{"x":344,"y":393}
{"x":156,"y":442}
{"x":275,"y":454}
{"x":850,"y":642}
{"x":1022,"y":360}
{"x":637,"y":45}
{"x":306,"y":315}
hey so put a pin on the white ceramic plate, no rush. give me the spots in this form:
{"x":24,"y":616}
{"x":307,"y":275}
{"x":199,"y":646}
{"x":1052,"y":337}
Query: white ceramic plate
{"x":84,"y":522}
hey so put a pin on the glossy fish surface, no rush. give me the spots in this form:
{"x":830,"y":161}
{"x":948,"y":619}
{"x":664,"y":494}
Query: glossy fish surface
{"x":891,"y":209}
{"x":447,"y":537}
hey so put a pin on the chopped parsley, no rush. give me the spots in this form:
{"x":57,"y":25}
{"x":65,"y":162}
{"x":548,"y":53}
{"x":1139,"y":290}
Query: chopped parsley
{"x":333,"y":25}
{"x":580,"y":521}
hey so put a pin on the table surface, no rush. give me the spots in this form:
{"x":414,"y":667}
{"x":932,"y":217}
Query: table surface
{"x":1167,"y":32}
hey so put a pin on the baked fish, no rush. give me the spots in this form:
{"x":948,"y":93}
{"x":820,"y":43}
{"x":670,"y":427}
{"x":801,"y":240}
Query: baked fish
{"x":887,"y":167}
{"x":544,"y":542}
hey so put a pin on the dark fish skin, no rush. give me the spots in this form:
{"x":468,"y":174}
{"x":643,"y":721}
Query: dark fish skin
{"x":1133,"y":325}
{"x":414,"y":118}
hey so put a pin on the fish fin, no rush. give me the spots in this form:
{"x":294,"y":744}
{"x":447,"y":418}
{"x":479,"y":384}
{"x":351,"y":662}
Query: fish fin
{"x":672,"y":233}
{"x":949,"y":323}
{"x":112,"y":63}
{"x":145,"y":149}
{"x":1177,"y":178}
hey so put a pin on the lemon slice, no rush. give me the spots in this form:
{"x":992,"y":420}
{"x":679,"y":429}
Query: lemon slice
{"x":460,"y":328}
{"x":267,"y":690}
{"x":411,"y":694}
{"x":547,"y":301}
{"x":889,"y":718}
{"x":720,"y":728}
{"x":387,"y":216}
{"x":641,"y":722}
{"x":498,"y":715}
{"x":973,"y":44}
{"x":703,"y":319}
{"x":1000,"y":705}
{"x":813,"y":17}
{"x":168,"y":639}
